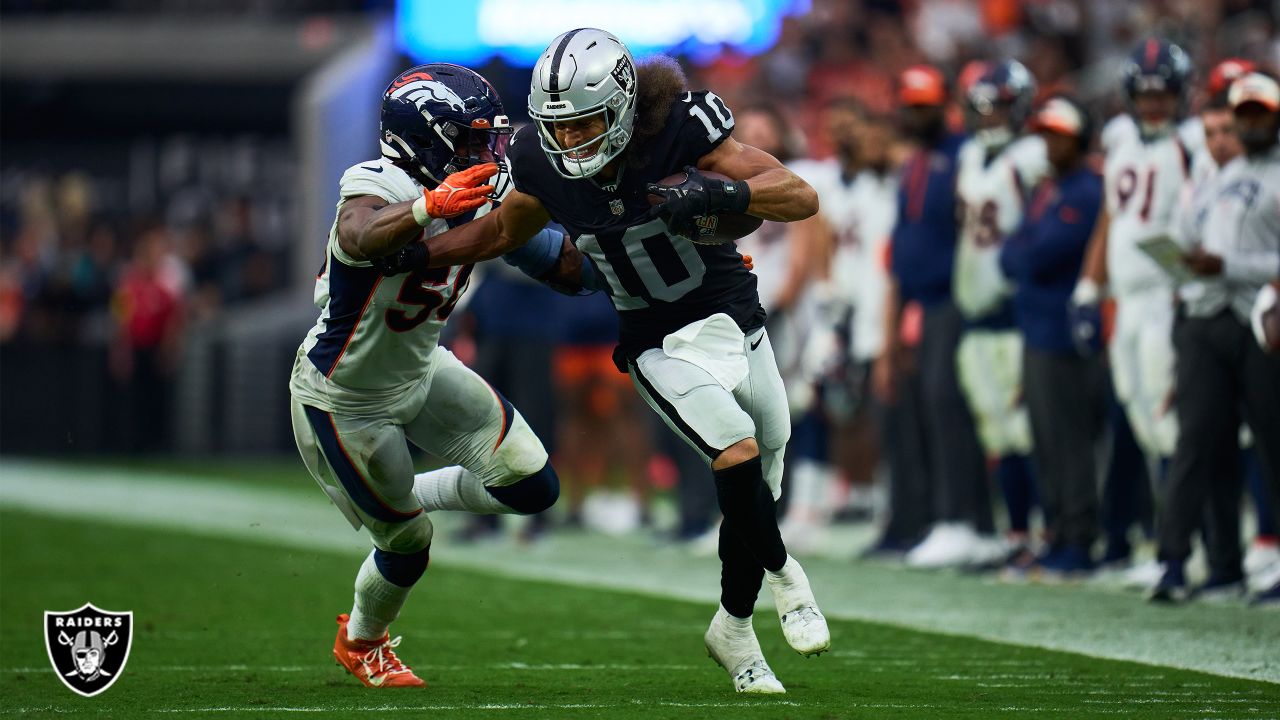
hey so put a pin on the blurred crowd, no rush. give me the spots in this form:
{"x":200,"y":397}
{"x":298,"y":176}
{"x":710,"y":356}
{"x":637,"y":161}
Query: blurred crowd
{"x":127,"y":253}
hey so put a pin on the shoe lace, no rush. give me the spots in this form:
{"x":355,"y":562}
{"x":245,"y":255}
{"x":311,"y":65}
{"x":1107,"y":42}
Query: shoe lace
{"x":385,"y":658}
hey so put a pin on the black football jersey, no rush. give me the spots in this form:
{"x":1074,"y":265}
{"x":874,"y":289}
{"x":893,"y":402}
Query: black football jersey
{"x":658,"y":282}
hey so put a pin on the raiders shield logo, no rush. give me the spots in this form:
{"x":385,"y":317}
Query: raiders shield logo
{"x":88,"y":647}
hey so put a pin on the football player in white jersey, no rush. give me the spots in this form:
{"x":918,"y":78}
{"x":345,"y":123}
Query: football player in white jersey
{"x":1146,"y":177}
{"x":997,"y":169}
{"x":370,"y":374}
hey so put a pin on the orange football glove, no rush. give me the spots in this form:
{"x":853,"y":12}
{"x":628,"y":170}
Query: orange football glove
{"x":461,"y":192}
{"x":747,"y":261}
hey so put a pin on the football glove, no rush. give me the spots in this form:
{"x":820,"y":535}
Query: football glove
{"x":460,"y":193}
{"x":411,"y":257}
{"x":697,"y":196}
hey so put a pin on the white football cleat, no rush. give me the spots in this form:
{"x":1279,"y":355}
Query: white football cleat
{"x":737,"y":650}
{"x":952,"y":545}
{"x":802,"y":622}
{"x":1262,"y":559}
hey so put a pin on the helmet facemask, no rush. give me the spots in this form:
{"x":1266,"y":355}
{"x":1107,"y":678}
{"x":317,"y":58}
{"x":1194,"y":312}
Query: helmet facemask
{"x":581,"y":161}
{"x":468,"y":146}
{"x":990,"y":131}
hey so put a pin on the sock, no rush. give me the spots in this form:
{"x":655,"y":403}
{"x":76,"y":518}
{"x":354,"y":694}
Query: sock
{"x":740,"y":574}
{"x":735,"y":622}
{"x":454,"y":488}
{"x":749,"y":509}
{"x":1014,"y":475}
{"x":378,"y":602}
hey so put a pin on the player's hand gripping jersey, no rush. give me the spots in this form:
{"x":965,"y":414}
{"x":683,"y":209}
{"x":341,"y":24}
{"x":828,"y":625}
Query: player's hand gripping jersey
{"x":992,"y":195}
{"x":375,"y":333}
{"x":658,"y":282}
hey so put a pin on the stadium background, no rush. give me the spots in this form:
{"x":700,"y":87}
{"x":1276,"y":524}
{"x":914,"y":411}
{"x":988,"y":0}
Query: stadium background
{"x":195,"y":146}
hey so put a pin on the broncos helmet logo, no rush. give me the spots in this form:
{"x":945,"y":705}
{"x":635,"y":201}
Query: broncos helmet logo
{"x":419,"y":92}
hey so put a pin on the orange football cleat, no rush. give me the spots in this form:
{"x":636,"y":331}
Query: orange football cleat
{"x":373,"y":662}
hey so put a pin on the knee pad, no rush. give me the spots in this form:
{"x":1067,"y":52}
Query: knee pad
{"x":532,"y":494}
{"x":403,"y":569}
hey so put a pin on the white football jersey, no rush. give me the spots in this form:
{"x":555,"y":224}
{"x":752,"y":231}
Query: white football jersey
{"x":374,"y":332}
{"x":1146,"y":182}
{"x":992,"y":195}
{"x":861,"y":214}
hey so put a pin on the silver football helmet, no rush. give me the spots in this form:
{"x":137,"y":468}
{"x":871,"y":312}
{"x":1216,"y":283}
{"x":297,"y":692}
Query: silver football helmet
{"x":582,"y":73}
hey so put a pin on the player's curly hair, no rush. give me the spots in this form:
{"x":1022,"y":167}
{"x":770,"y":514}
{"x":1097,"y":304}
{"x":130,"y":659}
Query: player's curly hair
{"x":659,"y":82}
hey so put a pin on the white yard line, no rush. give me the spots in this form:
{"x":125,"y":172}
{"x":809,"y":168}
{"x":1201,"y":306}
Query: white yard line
{"x":1223,"y":640}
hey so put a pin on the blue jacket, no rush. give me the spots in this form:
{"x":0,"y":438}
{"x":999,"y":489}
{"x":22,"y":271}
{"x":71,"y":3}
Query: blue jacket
{"x":924,"y":237}
{"x":1043,"y":257}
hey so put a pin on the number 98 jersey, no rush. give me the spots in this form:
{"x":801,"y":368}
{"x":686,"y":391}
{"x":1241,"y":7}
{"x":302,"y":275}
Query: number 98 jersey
{"x":374,"y":333}
{"x":991,"y":192}
{"x":658,"y":282}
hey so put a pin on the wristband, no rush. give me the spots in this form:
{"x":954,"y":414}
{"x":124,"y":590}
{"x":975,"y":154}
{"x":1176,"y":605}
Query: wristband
{"x":420,"y":211}
{"x":731,"y":196}
{"x":1087,"y":292}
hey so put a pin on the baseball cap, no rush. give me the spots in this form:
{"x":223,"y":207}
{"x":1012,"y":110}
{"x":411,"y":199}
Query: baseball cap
{"x":1061,"y":116}
{"x":1256,"y":88}
{"x":1227,"y":72}
{"x":922,"y":85}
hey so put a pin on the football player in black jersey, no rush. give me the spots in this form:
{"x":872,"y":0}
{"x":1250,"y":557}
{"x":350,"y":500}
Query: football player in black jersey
{"x":692,"y":329}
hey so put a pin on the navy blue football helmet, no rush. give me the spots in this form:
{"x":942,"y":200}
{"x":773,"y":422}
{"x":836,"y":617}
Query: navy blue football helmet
{"x":440,"y":118}
{"x":1157,"y":66}
{"x":1005,"y":84}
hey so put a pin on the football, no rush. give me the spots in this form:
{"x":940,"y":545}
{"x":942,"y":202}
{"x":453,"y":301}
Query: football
{"x":714,"y":229}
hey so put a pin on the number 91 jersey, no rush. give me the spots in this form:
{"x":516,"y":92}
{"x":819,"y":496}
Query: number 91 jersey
{"x":658,"y":282}
{"x":374,"y":333}
{"x":1146,"y":183}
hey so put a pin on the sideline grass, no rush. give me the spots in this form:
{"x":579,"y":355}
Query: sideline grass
{"x":234,"y":629}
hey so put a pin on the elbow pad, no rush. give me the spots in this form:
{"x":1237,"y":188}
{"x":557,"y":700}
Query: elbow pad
{"x":536,"y":257}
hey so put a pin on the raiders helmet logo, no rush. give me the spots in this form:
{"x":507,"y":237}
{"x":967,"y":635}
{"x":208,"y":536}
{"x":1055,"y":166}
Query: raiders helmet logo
{"x":88,"y":647}
{"x":624,"y":73}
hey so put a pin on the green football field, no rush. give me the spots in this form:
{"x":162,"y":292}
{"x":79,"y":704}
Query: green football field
{"x":234,"y":609}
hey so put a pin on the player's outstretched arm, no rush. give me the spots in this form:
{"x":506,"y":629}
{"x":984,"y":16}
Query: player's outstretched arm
{"x":508,"y":227}
{"x":370,"y":228}
{"x":776,"y":192}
